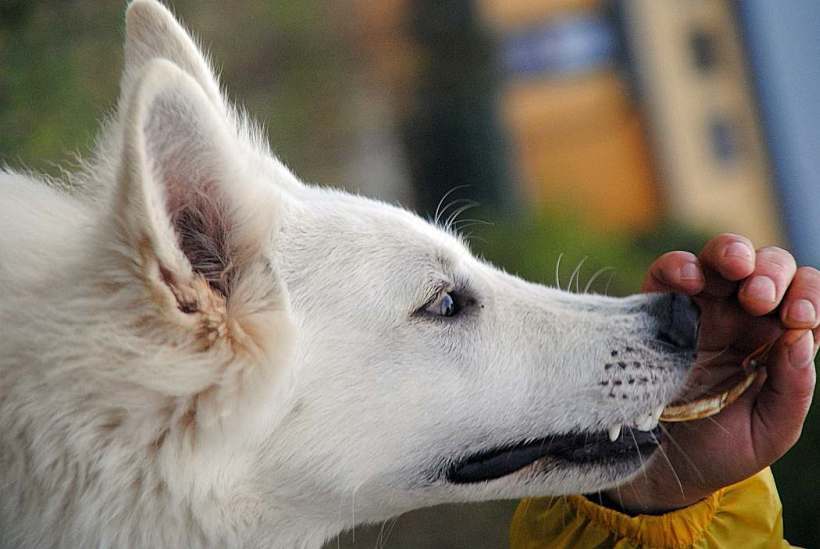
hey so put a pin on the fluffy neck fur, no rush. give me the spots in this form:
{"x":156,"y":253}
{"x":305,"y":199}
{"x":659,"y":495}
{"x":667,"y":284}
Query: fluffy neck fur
{"x":105,"y":439}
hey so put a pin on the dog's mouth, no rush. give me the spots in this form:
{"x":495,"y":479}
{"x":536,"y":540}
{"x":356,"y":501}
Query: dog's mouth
{"x":590,"y":448}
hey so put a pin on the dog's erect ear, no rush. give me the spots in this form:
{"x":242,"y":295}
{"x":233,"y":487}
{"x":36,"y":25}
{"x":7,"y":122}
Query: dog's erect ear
{"x":153,"y":32}
{"x":199,"y":227}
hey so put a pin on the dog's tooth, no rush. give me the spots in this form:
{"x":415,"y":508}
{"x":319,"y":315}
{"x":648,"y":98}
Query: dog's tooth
{"x":614,"y":432}
{"x":645,"y":423}
{"x":656,"y":415}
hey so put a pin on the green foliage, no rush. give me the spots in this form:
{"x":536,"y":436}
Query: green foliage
{"x":58,"y":78}
{"x":285,"y":61}
{"x":534,"y":245}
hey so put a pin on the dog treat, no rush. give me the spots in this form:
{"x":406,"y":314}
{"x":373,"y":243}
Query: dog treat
{"x":713,"y":404}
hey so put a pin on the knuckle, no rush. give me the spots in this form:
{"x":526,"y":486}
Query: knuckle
{"x":680,"y":256}
{"x":776,"y":258}
{"x":727,"y":238}
{"x":809,"y":274}
{"x":807,"y":279}
{"x":775,"y":251}
{"x":670,"y":259}
{"x":715,"y":249}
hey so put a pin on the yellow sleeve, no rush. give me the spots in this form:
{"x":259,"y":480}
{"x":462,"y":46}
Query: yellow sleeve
{"x":747,"y":514}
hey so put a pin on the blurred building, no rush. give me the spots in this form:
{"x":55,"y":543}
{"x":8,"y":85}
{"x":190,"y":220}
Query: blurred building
{"x":623,"y":112}
{"x":692,"y":72}
{"x":578,"y":137}
{"x":629,"y":111}
{"x":784,"y":47}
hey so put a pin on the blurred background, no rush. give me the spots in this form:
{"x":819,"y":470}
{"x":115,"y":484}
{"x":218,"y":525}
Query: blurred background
{"x":596,"y":131}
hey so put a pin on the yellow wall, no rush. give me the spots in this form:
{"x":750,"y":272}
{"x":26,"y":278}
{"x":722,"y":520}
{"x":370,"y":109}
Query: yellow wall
{"x":578,"y":140}
{"x":718,"y":196}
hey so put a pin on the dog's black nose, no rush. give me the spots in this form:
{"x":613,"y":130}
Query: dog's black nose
{"x":679,"y":324}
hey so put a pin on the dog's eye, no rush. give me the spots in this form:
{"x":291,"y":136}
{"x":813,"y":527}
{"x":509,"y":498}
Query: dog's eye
{"x":446,"y":305}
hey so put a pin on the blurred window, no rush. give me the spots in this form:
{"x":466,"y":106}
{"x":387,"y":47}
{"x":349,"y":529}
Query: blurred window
{"x":704,"y":50}
{"x":569,"y":45}
{"x":724,"y":139}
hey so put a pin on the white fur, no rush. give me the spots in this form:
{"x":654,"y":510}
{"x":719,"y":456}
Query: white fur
{"x":144,"y":404}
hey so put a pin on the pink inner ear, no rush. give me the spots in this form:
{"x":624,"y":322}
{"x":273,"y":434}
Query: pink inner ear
{"x":198,"y":217}
{"x":185,"y":159}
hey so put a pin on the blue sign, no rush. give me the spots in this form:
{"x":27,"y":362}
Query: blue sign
{"x":564,"y":47}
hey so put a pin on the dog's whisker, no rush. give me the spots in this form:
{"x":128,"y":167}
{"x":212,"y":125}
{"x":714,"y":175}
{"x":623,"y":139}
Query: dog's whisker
{"x":451,"y":204}
{"x":671,"y":467}
{"x":469,"y":237}
{"x":640,"y":456}
{"x":353,"y":513}
{"x":461,"y":224}
{"x":575,"y":275}
{"x":558,"y":271}
{"x":682,"y":452}
{"x":439,"y":212}
{"x":390,"y":529}
{"x":448,"y":225}
{"x":594,"y":277}
{"x":609,"y":281}
{"x":620,"y":496}
{"x":473,"y":221}
{"x":380,"y":535}
{"x":710,"y":356}
{"x":718,"y":425}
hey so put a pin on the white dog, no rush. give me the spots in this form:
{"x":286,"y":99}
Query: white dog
{"x":198,"y":350}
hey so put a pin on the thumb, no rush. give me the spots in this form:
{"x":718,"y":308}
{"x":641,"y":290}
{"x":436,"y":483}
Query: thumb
{"x":783,"y":401}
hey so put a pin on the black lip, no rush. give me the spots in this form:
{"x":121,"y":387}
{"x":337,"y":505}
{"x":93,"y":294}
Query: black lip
{"x":575,"y":448}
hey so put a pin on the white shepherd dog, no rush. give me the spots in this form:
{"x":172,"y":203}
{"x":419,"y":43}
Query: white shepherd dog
{"x":199,"y":350}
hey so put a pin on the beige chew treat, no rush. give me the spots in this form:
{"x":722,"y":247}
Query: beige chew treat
{"x":713,"y":404}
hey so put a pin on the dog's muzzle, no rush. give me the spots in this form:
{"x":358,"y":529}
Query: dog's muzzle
{"x":679,"y":320}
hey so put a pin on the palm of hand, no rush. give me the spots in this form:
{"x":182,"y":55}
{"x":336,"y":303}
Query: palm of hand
{"x":702,"y":456}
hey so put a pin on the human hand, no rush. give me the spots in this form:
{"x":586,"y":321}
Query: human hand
{"x":747,"y":299}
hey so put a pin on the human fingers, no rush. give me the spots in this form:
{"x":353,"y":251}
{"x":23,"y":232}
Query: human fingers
{"x":784,"y":399}
{"x":765,"y":287}
{"x":674,"y":271}
{"x":726,"y":259}
{"x":802,"y":302}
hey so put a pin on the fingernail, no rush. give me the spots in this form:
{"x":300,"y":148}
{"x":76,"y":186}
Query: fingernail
{"x":690,"y":271}
{"x":761,"y":288}
{"x":801,"y":311}
{"x":738,"y":249}
{"x":801,"y":351}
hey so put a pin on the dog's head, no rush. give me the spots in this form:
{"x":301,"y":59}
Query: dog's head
{"x":309,"y":345}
